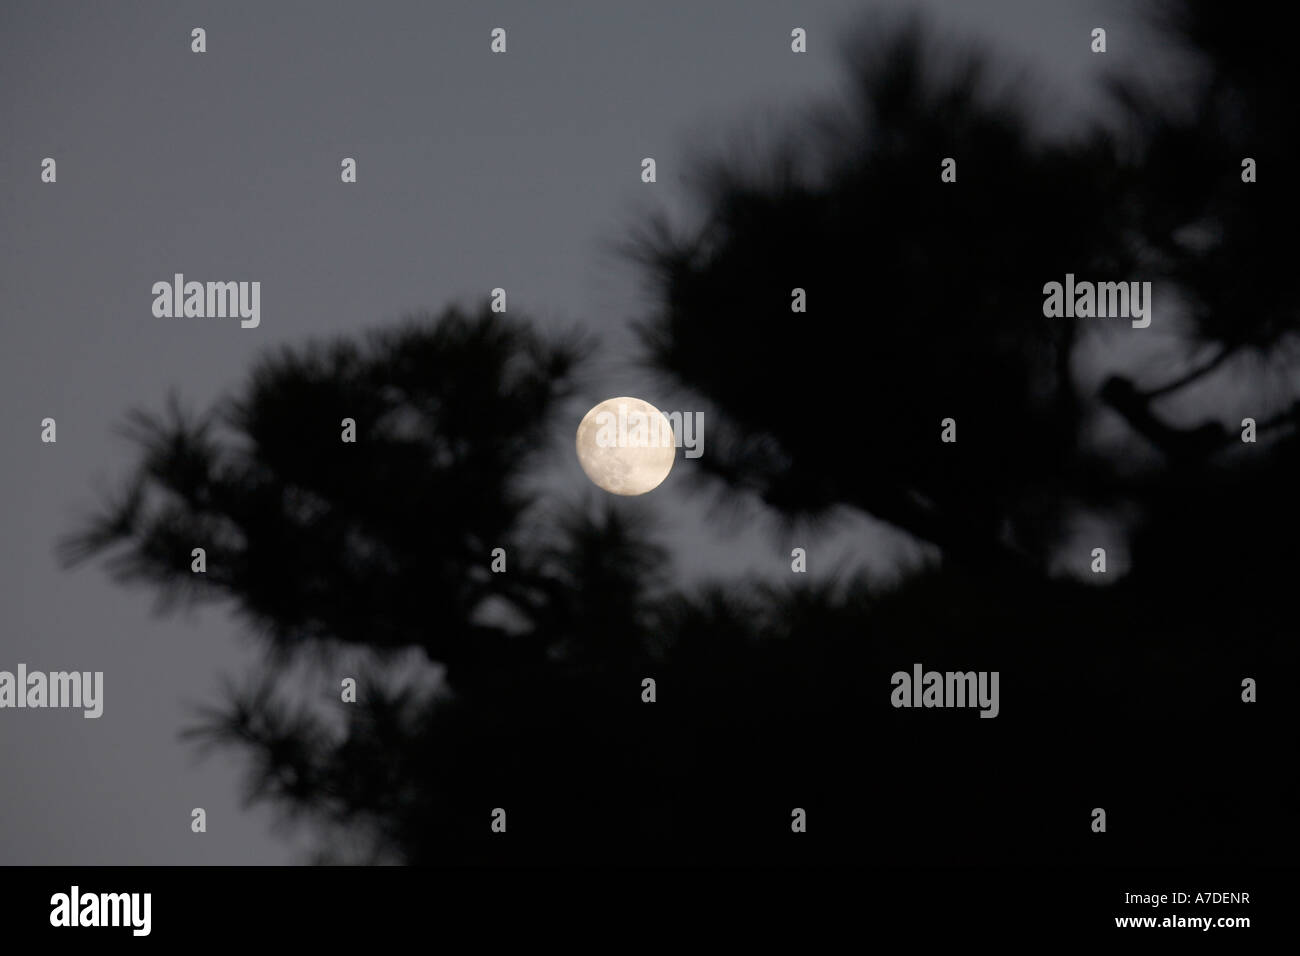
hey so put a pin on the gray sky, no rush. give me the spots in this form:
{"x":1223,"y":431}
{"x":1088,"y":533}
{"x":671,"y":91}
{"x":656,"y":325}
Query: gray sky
{"x":474,"y":171}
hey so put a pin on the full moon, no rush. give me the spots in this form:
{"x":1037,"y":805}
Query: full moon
{"x":626,"y":446}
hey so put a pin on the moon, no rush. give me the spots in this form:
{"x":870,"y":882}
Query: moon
{"x":626,"y":446}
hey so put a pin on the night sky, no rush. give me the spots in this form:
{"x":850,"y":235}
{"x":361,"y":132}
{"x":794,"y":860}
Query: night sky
{"x":474,"y":171}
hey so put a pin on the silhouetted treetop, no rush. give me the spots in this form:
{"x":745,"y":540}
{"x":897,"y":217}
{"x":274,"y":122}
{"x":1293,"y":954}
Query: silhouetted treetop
{"x":382,"y":542}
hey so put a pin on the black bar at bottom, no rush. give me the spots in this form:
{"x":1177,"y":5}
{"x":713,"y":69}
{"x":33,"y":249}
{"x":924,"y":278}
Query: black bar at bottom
{"x":336,"y":905}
